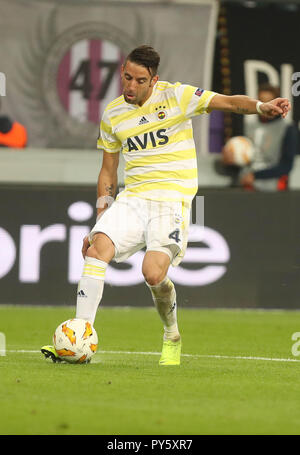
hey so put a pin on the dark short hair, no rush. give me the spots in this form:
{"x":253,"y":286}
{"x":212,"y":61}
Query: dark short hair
{"x":145,"y":56}
{"x":266,"y":87}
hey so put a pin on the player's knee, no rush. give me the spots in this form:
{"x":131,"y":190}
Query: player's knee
{"x":102,"y":248}
{"x":154,"y":276}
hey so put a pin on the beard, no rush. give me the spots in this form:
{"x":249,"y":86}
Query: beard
{"x":138,"y":98}
{"x":130,"y":100}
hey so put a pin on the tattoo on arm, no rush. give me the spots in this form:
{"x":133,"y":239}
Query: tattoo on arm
{"x":110,"y":189}
{"x":242,"y":110}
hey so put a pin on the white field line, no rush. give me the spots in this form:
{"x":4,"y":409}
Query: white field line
{"x":200,"y":356}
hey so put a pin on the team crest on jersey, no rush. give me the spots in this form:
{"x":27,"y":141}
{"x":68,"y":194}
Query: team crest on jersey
{"x":161,"y":113}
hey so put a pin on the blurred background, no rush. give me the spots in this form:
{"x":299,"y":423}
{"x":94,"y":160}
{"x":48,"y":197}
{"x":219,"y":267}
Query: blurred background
{"x":60,"y":66}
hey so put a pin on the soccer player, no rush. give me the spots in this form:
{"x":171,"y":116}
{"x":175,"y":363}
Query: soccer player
{"x":151,"y":125}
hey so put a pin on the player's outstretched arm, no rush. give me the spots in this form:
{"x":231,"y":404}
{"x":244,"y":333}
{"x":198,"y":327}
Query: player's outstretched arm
{"x":242,"y":104}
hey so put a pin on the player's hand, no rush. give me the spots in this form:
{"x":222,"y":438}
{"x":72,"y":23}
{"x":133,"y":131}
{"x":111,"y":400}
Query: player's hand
{"x":85,"y":246}
{"x":278,"y":106}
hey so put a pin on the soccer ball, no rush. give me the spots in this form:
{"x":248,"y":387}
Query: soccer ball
{"x":241,"y":149}
{"x":75,"y":341}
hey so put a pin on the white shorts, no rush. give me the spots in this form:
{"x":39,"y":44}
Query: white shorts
{"x":133,"y":223}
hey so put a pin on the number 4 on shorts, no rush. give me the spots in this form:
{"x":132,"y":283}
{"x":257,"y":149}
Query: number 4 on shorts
{"x":175,"y":235}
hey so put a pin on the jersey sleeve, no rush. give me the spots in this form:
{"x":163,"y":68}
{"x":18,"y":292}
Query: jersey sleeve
{"x":107,"y":141}
{"x":192,"y":100}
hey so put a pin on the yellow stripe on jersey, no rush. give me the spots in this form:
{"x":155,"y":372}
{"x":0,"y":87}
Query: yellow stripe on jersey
{"x":106,"y":141}
{"x":110,"y":147}
{"x":163,"y":85}
{"x":116,"y":102}
{"x":161,"y":158}
{"x":186,"y":98}
{"x":105,"y":127}
{"x":137,"y":113}
{"x":162,"y":175}
{"x":162,"y":185}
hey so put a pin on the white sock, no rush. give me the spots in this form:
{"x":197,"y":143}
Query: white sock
{"x":90,"y":289}
{"x":164,"y":298}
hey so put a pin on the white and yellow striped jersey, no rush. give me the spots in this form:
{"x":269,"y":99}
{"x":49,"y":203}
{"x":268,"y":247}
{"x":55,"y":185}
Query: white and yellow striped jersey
{"x":157,"y":141}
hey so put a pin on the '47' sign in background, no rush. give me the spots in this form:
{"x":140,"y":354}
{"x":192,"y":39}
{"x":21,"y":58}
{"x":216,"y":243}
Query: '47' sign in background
{"x":89,"y":78}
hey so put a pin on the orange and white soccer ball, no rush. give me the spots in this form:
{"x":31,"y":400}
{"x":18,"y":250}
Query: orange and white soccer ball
{"x":241,"y":150}
{"x":75,"y":341}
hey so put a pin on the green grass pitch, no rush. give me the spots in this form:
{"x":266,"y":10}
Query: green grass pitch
{"x":237,"y":376}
